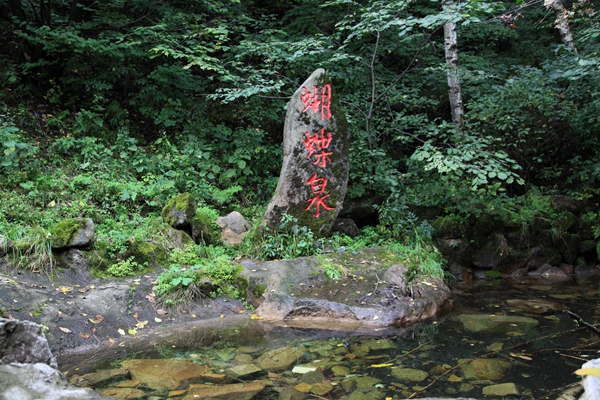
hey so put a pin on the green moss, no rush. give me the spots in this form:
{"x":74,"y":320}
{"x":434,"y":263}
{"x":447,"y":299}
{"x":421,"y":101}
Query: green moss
{"x":66,"y":230}
{"x":146,"y":253}
{"x":181,"y":207}
{"x":492,"y":274}
{"x":565,"y":220}
{"x":205,"y":229}
{"x":258,"y":290}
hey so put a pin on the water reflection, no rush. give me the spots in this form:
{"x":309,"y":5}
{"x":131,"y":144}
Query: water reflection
{"x":502,"y":339}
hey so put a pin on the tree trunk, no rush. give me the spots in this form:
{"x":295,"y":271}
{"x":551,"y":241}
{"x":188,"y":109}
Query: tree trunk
{"x":562,"y":23}
{"x":17,"y":9}
{"x":454,"y":91}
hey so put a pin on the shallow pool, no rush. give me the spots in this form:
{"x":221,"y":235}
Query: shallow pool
{"x":479,"y":350}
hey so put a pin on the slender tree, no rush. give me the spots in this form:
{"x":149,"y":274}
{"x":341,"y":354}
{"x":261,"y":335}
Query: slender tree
{"x":451,"y":50}
{"x":561,"y":22}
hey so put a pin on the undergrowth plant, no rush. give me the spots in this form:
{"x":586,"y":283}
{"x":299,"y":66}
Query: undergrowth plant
{"x":30,"y":250}
{"x":288,"y":241}
{"x":128,"y":267}
{"x":420,"y":255}
{"x":200,"y":272}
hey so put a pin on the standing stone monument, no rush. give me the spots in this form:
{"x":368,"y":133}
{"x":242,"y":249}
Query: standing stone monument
{"x":314,"y":175}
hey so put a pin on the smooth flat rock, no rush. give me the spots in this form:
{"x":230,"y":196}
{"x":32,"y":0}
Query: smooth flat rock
{"x":172,"y":374}
{"x":241,"y":370}
{"x":485,"y":368}
{"x":536,"y":306}
{"x":409,"y":374}
{"x":103,"y":376}
{"x":501,"y":389}
{"x":237,"y":391}
{"x":279,"y":359}
{"x":496,"y":323}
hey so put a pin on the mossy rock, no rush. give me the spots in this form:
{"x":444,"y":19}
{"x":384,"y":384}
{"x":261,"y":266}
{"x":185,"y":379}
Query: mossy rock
{"x":449,"y":227}
{"x":566,"y":221}
{"x":258,"y":290}
{"x":180,"y":210}
{"x":176,"y":239}
{"x":74,"y":232}
{"x":205,"y":230}
{"x":147,"y":252}
{"x":587,"y":247}
{"x":97,"y":260}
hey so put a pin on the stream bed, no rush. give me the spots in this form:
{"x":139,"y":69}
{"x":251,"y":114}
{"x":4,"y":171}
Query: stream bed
{"x":511,"y":340}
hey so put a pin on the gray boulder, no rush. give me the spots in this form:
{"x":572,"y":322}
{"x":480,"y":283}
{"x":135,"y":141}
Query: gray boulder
{"x":74,"y":232}
{"x":316,"y":143}
{"x":28,"y":368}
{"x":234,"y":227}
{"x":346,"y":226}
{"x":24,"y":342}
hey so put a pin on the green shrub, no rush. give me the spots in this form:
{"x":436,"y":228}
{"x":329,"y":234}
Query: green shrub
{"x":209,"y":278}
{"x":289,"y":241}
{"x":127,"y":267}
{"x":333,"y":271}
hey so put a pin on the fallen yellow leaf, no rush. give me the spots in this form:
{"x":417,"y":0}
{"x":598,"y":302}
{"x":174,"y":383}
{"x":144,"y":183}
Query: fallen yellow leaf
{"x":382,"y":365}
{"x":141,"y":324}
{"x":156,"y":319}
{"x":121,"y":332}
{"x":588,"y":371}
{"x":84,"y":335}
{"x":65,"y":330}
{"x":222,"y":315}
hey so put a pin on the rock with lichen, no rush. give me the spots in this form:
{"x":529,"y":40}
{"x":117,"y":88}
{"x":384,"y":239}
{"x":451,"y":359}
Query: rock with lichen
{"x":314,"y":174}
{"x":74,"y":232}
{"x":180,"y":210}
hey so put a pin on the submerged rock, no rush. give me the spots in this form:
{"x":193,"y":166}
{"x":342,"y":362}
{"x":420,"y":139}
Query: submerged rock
{"x":279,"y":359}
{"x":502,"y":389}
{"x":236,"y":391}
{"x":365,"y":395}
{"x":484,"y":368}
{"x":536,"y":306}
{"x":409,"y":374}
{"x":496,"y":323}
{"x":172,"y":374}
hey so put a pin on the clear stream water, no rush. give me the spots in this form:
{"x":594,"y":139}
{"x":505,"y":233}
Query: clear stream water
{"x":542,"y":360}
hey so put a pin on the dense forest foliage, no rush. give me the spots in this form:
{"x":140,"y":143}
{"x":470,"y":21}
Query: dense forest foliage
{"x":109,"y":108}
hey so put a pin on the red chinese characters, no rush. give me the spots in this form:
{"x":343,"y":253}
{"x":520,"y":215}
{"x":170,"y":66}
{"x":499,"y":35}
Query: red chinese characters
{"x":317,"y":100}
{"x":317,"y":185}
{"x":316,"y":144}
